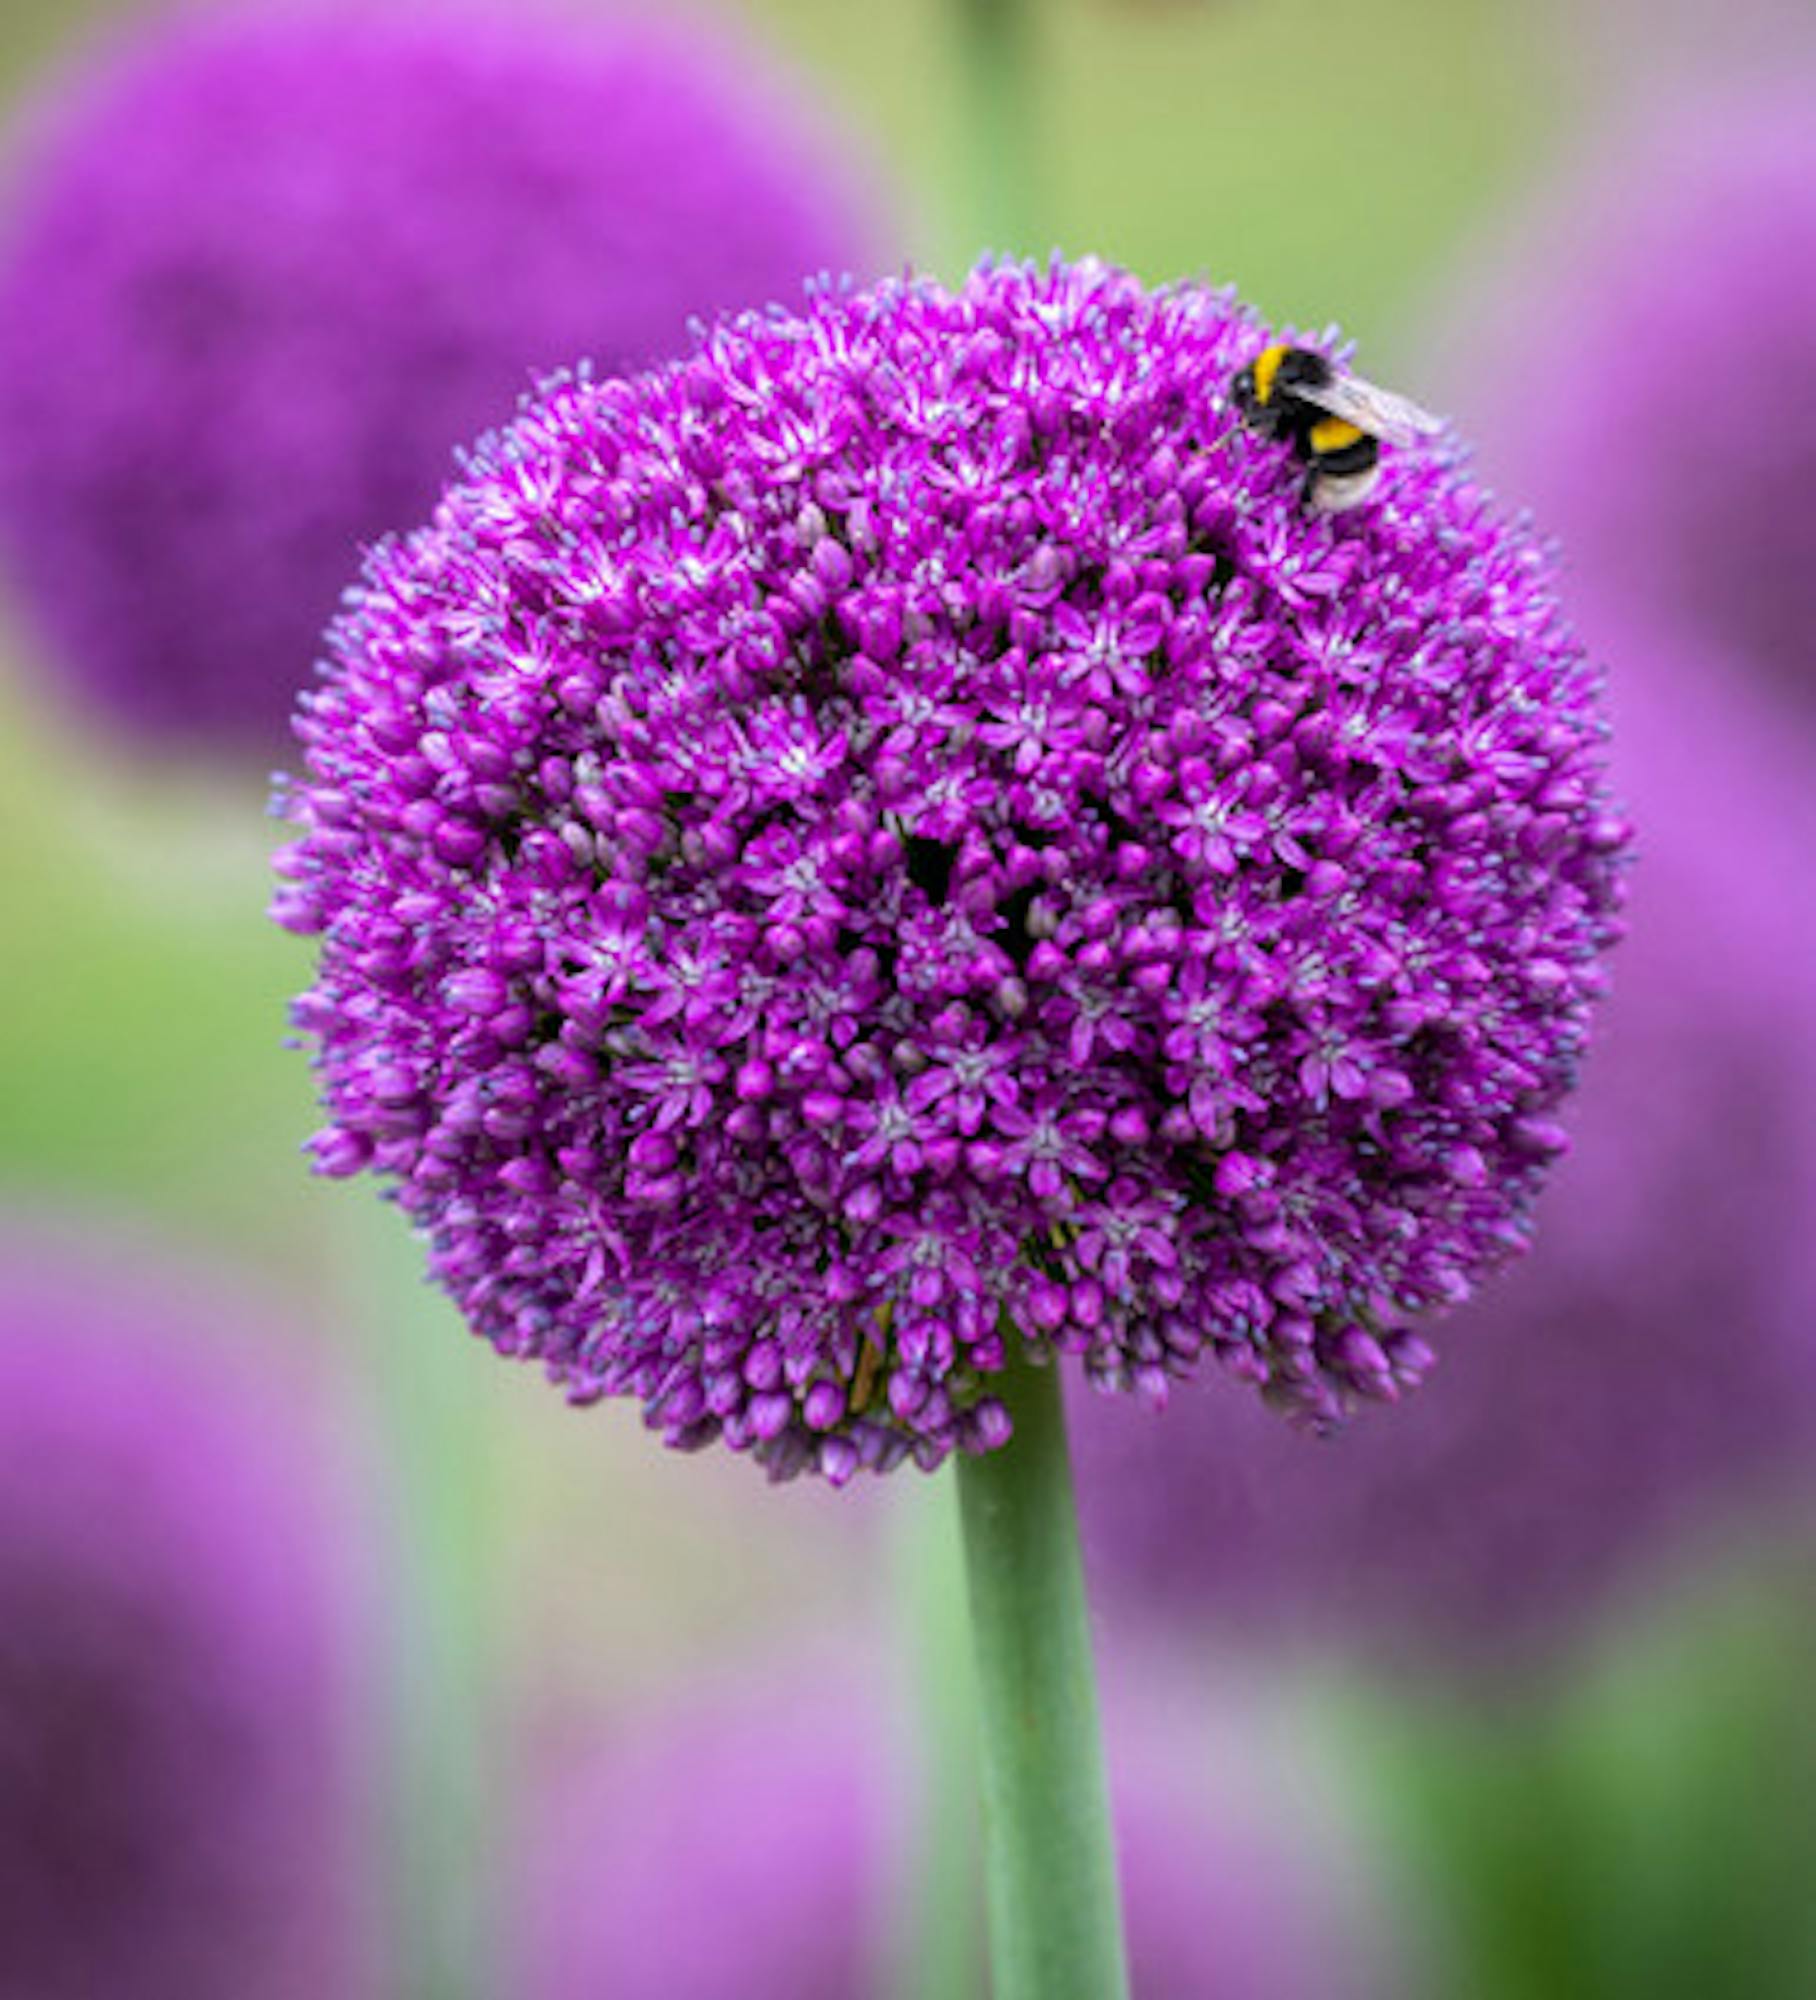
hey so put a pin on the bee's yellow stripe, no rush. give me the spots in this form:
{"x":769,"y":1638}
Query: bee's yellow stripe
{"x":1332,"y":434}
{"x":1266,"y":367}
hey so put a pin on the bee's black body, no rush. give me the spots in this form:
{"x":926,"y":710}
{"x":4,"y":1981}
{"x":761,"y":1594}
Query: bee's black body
{"x":1273,"y":394}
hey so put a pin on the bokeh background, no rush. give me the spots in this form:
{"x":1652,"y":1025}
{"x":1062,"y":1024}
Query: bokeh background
{"x":1507,"y":1697}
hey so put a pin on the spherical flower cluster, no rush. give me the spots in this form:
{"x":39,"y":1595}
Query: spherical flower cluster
{"x":178,"y":1818}
{"x":265,"y":264}
{"x":1638,"y":1392}
{"x":1647,"y":394}
{"x":903,"y":828}
{"x":750,"y":1845}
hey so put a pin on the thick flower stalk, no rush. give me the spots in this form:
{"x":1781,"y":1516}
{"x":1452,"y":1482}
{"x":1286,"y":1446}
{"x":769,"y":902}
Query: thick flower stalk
{"x":262,"y":266}
{"x":903,"y":828}
{"x":181,"y":1799}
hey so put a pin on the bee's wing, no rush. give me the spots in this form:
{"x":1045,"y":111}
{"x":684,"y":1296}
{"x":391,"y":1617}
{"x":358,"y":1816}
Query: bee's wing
{"x":1378,"y":411}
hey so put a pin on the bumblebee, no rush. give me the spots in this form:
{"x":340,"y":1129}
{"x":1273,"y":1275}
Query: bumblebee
{"x":1336,"y":424}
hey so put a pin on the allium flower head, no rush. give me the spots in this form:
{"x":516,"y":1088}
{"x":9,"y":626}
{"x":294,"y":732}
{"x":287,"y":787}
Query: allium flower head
{"x":902,"y":826}
{"x":265,"y":264}
{"x":745,"y":1845}
{"x":177,"y":1818}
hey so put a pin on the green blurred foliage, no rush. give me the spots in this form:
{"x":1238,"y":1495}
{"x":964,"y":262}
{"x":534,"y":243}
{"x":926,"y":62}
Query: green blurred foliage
{"x":1323,"y":158}
{"x":140,"y":1021}
{"x":1641,"y":1827}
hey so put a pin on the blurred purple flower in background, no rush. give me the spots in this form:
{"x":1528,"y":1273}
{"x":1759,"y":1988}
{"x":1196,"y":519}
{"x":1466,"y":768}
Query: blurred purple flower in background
{"x":178,"y":1795}
{"x":1637,"y":369}
{"x":264,"y":266}
{"x":906,"y":819}
{"x":749,"y":1844}
{"x":1643,"y":1384}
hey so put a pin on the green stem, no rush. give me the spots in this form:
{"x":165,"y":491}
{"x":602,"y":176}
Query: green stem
{"x":998,"y":55}
{"x":1050,"y":1865}
{"x":937,"y":1931}
{"x":438,"y":1715}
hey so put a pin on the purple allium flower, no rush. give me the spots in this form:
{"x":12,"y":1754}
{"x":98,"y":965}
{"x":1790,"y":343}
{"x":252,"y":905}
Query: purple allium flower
{"x":1639,"y":377}
{"x":178,"y":1812}
{"x":265,"y":264}
{"x":750,"y":1844}
{"x":903,"y":826}
{"x":1639,"y":1389}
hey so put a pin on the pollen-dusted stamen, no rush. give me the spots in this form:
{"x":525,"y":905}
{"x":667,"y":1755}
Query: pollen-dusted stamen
{"x":1034,"y":873}
{"x":872,"y":1361}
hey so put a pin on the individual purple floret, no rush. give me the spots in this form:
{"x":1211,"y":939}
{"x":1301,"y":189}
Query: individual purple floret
{"x":1640,"y":376}
{"x":179,"y":1794}
{"x":752,"y":1844}
{"x":263,"y":265}
{"x":903,"y":827}
{"x":1633,"y":1398}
